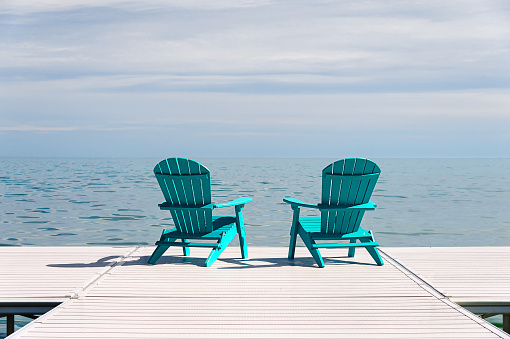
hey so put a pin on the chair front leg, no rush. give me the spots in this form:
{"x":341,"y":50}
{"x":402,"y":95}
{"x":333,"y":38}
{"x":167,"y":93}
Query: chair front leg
{"x":241,"y":231}
{"x":293,"y":231}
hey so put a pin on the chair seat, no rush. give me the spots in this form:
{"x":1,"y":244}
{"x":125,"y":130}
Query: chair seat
{"x":220,"y":225}
{"x":312,"y":225}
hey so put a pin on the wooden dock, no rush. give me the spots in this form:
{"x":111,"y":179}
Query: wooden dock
{"x":111,"y":292}
{"x":476,"y":278}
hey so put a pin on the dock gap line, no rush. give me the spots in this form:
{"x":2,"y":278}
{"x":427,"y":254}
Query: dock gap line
{"x":100,"y":276}
{"x":413,"y":276}
{"x":440,"y":296}
{"x":75,"y":295}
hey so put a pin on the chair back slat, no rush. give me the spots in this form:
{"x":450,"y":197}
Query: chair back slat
{"x":346,"y":182}
{"x":188,"y":194}
{"x":186,"y":183}
{"x":204,"y":219}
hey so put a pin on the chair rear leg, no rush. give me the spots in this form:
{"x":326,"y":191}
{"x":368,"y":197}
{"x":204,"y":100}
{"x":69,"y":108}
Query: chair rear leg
{"x":375,"y":255}
{"x":215,"y":253}
{"x":309,"y":242}
{"x":293,"y":232}
{"x":352,"y":250}
{"x":372,"y":249}
{"x":223,"y":243}
{"x":158,"y":252}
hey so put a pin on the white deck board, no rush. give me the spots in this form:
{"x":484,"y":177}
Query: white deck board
{"x":51,"y":273}
{"x":266,"y":296}
{"x":463,"y":274}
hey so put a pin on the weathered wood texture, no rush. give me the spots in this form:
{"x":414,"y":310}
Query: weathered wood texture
{"x":267,"y":296}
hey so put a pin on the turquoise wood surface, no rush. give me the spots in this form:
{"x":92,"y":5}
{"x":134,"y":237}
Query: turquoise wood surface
{"x":186,"y":187}
{"x":347,"y":186}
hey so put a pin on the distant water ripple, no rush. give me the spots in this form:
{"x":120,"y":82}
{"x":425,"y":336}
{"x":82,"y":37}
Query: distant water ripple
{"x":102,"y":201}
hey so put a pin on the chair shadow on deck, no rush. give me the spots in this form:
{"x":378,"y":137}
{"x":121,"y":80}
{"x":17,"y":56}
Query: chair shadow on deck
{"x":304,"y":262}
{"x":101,"y":262}
{"x":237,"y":263}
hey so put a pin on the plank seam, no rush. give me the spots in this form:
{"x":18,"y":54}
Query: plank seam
{"x":94,"y":281}
{"x":72,"y":298}
{"x":39,"y":320}
{"x":440,"y":296}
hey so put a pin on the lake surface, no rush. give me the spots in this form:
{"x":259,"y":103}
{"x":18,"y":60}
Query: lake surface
{"x":113,"y":201}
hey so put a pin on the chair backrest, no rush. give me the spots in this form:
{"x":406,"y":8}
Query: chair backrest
{"x":186,"y":183}
{"x":346,"y":182}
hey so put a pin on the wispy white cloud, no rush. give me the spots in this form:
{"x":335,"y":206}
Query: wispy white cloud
{"x":31,"y":6}
{"x":298,"y":37}
{"x":32,"y":128}
{"x":255,"y":69}
{"x":26,"y":128}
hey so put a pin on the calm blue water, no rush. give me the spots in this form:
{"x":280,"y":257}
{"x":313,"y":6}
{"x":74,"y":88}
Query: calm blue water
{"x":103,"y":201}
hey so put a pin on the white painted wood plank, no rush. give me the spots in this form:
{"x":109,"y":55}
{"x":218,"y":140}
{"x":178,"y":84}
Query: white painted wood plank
{"x":51,"y":272}
{"x":255,"y":335}
{"x":461,"y":273}
{"x":265,"y":297}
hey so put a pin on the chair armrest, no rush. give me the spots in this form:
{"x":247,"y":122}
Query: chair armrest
{"x":168,"y":206}
{"x":236,"y":202}
{"x":297,"y":202}
{"x":368,"y":206}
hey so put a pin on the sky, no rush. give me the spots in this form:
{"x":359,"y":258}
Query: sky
{"x":332,"y":79}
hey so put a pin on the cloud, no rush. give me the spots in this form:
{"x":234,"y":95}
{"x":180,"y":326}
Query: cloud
{"x":30,"y":6}
{"x":311,"y":71}
{"x":29,"y":128}
{"x":392,"y":43}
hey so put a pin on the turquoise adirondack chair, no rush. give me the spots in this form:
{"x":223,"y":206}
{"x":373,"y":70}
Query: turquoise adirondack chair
{"x":347,"y":185}
{"x":186,"y":186}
